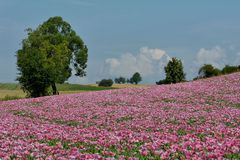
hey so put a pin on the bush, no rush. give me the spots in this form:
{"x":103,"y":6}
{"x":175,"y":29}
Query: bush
{"x":230,"y":69}
{"x":120,"y":80}
{"x":207,"y":70}
{"x":161,"y":82}
{"x":106,"y":83}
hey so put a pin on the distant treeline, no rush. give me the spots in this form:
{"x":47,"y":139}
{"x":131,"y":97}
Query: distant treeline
{"x":175,"y":74}
{"x":135,"y":79}
{"x":208,"y":70}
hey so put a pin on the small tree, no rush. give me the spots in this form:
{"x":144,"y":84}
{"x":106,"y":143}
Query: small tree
{"x":120,"y":80}
{"x":174,"y":71}
{"x":207,"y":70}
{"x":116,"y":80}
{"x":106,"y":83}
{"x":136,"y":78}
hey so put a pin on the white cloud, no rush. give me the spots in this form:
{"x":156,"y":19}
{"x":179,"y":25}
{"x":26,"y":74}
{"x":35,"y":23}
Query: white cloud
{"x":215,"y":56}
{"x":147,"y":62}
{"x":113,"y":62}
{"x":155,"y":54}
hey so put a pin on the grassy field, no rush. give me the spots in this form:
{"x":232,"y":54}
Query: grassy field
{"x":14,"y":91}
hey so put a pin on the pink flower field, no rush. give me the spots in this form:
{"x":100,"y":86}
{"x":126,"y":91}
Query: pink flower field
{"x":192,"y":120}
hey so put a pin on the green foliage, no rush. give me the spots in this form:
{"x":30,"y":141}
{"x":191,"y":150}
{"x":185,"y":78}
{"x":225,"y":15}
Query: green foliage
{"x":106,"y":83}
{"x":46,"y":55}
{"x":30,"y":157}
{"x":52,"y":142}
{"x":174,"y":72}
{"x":191,"y":121}
{"x":207,"y":70}
{"x":232,"y":156}
{"x":68,"y":123}
{"x":230,"y":69}
{"x":136,"y":78}
{"x":160,"y":82}
{"x":120,"y":80}
{"x":181,"y":132}
{"x":13,"y":157}
{"x":237,"y":105}
{"x":126,"y":118}
{"x":90,"y":148}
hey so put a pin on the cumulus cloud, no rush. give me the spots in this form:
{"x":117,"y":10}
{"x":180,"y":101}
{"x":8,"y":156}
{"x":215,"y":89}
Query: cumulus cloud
{"x":215,"y":56}
{"x":113,"y":62}
{"x":147,"y":62}
{"x":155,"y":54}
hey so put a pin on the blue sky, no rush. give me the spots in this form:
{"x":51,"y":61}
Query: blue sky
{"x":125,"y":36}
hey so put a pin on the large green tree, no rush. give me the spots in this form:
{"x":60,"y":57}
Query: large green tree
{"x":174,"y":71}
{"x":46,"y":57}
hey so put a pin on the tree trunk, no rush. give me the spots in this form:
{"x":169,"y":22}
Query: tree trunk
{"x":54,"y":88}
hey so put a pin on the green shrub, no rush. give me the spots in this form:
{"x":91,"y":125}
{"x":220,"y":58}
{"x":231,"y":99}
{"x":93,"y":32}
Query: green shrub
{"x":120,"y":80}
{"x":161,"y":82}
{"x":208,"y":70}
{"x":106,"y":83}
{"x":230,"y":69}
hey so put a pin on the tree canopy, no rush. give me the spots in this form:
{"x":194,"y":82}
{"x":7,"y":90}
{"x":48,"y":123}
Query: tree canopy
{"x":208,"y":70}
{"x":120,"y":80}
{"x":230,"y":69}
{"x":174,"y":71}
{"x":136,"y":78}
{"x":46,"y":57}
